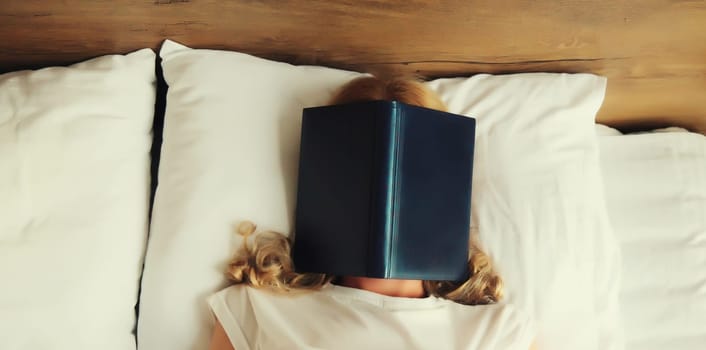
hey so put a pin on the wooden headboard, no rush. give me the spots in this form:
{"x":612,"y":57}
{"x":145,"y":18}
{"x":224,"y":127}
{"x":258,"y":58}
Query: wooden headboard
{"x":653,"y":52}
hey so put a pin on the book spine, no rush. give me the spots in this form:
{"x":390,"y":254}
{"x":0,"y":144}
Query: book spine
{"x":395,"y":174}
{"x":383,"y":184}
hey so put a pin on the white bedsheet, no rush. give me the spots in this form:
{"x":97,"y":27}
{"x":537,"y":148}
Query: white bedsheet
{"x":656,"y":194}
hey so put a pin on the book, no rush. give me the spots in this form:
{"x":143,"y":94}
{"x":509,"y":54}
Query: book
{"x":384,"y":191}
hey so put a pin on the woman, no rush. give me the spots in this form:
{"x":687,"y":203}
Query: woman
{"x":272,"y":307}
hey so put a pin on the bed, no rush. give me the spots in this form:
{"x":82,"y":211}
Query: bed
{"x":653,"y":55}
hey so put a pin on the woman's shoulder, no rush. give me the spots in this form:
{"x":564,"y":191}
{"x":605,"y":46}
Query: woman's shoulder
{"x":236,"y":290}
{"x":243,"y":293}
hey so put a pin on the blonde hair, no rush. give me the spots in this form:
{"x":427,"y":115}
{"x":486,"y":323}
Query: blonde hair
{"x":268,"y":263}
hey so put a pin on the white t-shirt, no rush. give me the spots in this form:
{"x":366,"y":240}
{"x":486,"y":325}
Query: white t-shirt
{"x":340,"y":318}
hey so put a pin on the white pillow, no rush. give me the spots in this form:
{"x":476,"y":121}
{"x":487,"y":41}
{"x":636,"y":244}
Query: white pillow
{"x":74,"y":193}
{"x":230,"y":153}
{"x":656,"y":190}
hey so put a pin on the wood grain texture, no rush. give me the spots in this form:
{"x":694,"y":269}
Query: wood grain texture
{"x":653,"y":52}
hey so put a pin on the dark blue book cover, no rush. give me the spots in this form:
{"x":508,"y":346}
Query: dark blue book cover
{"x":384,"y":191}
